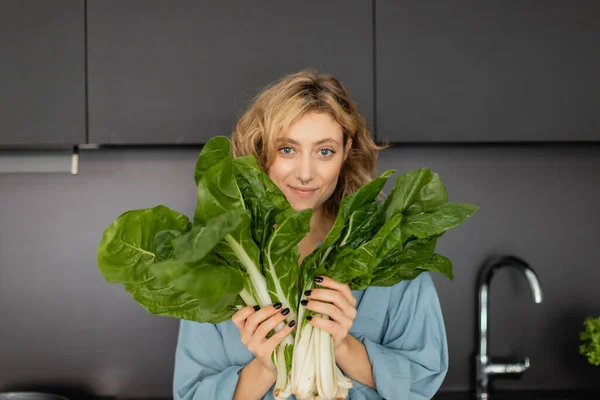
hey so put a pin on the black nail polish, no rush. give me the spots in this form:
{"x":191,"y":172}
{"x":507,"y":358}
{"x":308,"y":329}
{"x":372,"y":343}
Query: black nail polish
{"x":286,"y":311}
{"x":304,"y":302}
{"x":308,"y":292}
{"x":309,"y":318}
{"x":256,"y":307}
{"x":319,"y":279}
{"x":291,"y":324}
{"x":277,"y":306}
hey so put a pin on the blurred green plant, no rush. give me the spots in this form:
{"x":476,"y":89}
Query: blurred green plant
{"x":590,"y":339}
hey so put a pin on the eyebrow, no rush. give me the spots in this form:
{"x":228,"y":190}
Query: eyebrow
{"x":292,"y":141}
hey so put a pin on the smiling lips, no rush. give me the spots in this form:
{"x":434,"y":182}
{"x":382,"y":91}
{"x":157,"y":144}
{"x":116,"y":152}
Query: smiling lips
{"x":303,"y":192}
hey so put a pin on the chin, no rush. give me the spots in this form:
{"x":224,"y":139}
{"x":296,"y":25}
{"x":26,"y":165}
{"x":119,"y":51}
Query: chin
{"x":299,"y":206}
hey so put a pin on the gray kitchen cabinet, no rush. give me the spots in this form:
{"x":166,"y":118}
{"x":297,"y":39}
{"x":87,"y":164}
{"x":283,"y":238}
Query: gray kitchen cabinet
{"x":181,"y":72}
{"x":487,"y":71}
{"x":42,"y":73}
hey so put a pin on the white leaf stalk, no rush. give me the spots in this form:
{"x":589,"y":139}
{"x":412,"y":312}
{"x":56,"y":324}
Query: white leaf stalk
{"x":259,"y":283}
{"x":247,"y":297}
{"x":256,"y":278}
{"x":283,"y":385}
{"x":315,"y":374}
{"x":304,"y":364}
{"x":326,"y":382}
{"x":344,"y":383}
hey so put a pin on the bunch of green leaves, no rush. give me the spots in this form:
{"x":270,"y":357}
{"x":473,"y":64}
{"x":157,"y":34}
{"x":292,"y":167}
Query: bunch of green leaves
{"x":374,"y":243}
{"x":242,"y":245}
{"x":590,"y":338}
{"x":240,"y":249}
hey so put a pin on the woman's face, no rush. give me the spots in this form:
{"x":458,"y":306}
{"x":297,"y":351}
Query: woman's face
{"x":308,"y":160}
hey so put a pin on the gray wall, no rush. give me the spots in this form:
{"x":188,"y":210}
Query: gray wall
{"x":62,"y":325}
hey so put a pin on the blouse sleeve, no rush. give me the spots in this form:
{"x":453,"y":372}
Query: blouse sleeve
{"x":202,"y":368}
{"x":412,"y":360}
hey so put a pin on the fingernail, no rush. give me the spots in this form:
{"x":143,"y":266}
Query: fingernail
{"x":304,"y":302}
{"x":319,"y":279}
{"x":291,"y":324}
{"x":286,"y":311}
{"x":277,"y":306}
{"x":308,"y":292}
{"x":309,"y":318}
{"x":256,"y":307}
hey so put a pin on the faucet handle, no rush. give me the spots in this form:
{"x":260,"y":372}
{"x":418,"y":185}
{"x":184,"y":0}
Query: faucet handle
{"x":508,"y":369}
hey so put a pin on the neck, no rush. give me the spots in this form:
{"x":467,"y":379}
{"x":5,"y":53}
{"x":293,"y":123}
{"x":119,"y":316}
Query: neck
{"x":319,"y":228}
{"x":320,"y":225}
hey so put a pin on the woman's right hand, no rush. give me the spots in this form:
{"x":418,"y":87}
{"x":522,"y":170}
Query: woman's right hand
{"x":254,"y":325}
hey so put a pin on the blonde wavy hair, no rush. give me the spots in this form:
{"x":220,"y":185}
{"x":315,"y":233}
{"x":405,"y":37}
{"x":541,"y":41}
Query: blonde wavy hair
{"x":283,"y":102}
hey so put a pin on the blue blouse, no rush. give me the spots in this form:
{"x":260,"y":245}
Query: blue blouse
{"x":401,"y":327}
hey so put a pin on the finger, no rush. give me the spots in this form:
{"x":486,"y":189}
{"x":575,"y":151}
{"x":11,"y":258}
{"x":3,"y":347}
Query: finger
{"x":256,"y":319}
{"x":332,"y":311}
{"x":267,"y":326}
{"x":335,"y":285}
{"x":241,"y":315}
{"x":325,"y":324}
{"x":272,"y":342}
{"x":332,"y":296}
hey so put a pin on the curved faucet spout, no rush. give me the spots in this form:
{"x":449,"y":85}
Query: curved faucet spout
{"x":484,"y":367}
{"x":534,"y":284}
{"x":485,"y":277}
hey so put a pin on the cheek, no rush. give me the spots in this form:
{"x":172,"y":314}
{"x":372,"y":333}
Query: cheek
{"x":332,"y":174}
{"x":272,"y":170}
{"x":277,"y":171}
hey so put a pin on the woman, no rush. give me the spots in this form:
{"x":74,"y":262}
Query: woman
{"x":307,"y":134}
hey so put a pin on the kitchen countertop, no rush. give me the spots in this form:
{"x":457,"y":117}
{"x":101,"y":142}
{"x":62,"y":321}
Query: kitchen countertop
{"x":525,"y":395}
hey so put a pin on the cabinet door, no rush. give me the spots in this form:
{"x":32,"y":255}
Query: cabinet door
{"x":42,"y":73}
{"x":181,"y":72}
{"x":488,"y":71}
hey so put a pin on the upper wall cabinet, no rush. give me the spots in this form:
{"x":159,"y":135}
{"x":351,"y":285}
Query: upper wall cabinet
{"x":181,"y":72}
{"x":489,"y":71}
{"x":42,"y":73}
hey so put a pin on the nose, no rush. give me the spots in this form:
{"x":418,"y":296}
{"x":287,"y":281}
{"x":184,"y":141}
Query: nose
{"x":305,"y":168}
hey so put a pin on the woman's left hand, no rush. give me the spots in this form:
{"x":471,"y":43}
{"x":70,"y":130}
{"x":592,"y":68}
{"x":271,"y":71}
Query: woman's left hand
{"x":337,"y":302}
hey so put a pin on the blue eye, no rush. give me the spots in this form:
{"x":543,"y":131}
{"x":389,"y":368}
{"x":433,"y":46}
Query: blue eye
{"x":284,"y":150}
{"x":331,"y":152}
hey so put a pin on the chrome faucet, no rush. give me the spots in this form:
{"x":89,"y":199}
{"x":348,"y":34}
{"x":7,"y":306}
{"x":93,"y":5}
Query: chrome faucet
{"x":484,"y":368}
